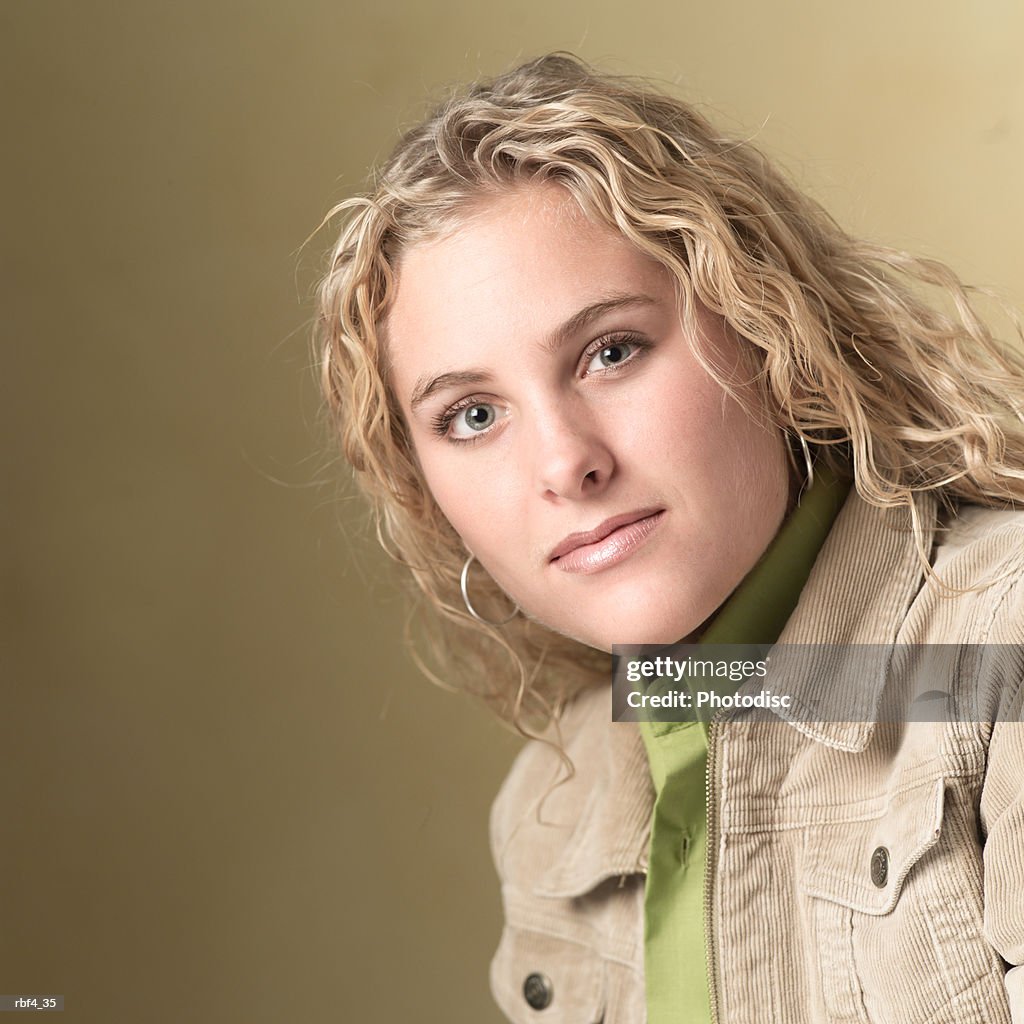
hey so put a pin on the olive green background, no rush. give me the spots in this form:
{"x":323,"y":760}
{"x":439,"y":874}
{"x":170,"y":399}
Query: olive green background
{"x":225,"y":793}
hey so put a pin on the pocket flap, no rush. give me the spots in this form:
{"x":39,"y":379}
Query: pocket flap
{"x":537,"y":977}
{"x":864,"y":864}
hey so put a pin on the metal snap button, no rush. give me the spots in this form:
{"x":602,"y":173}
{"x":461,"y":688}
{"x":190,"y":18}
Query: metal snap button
{"x":880,"y":867}
{"x":538,"y":991}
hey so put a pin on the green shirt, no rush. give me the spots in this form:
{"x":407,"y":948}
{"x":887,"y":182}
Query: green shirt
{"x":674,"y":947}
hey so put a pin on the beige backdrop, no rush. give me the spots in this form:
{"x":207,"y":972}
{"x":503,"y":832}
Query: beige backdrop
{"x":225,"y":794}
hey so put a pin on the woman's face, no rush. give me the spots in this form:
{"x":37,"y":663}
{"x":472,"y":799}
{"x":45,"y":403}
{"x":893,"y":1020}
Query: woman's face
{"x":603,"y":478}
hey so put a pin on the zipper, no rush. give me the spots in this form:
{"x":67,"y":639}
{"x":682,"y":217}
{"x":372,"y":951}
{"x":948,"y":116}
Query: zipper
{"x":711,"y":807}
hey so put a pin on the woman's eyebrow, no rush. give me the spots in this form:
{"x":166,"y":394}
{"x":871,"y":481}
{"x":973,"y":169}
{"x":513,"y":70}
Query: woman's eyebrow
{"x":427,"y":386}
{"x":586,"y":316}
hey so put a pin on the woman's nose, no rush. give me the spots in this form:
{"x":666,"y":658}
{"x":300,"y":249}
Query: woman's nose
{"x":571,"y":456}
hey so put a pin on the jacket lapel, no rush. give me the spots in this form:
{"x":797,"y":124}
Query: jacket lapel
{"x":611,"y":836}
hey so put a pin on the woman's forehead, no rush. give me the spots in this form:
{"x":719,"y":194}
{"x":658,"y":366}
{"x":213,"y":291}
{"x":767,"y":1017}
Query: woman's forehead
{"x":532,"y":251}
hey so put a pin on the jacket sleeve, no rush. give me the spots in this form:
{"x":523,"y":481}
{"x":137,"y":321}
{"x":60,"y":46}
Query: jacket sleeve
{"x":1002,"y":802}
{"x":1002,"y":807}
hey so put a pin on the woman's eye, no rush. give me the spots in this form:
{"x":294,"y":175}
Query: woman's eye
{"x":473,"y":419}
{"x":611,"y":355}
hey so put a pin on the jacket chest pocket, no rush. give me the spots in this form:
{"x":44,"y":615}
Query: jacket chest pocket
{"x":894,"y":909}
{"x":537,"y":978}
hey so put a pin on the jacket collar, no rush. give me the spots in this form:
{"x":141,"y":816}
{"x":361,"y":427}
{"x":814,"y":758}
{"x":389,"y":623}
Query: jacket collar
{"x":859,"y":593}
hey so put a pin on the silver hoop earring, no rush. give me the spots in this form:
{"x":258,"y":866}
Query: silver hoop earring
{"x":807,"y":460}
{"x":464,"y":580}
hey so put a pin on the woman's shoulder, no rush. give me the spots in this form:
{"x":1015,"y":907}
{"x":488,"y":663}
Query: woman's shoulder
{"x":980,"y":533}
{"x":978,"y":560}
{"x":554,"y":767}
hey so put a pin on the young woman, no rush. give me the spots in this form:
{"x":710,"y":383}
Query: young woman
{"x":608,"y":378}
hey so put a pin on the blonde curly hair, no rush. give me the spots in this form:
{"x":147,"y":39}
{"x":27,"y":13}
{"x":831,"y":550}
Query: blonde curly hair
{"x":850,"y":356}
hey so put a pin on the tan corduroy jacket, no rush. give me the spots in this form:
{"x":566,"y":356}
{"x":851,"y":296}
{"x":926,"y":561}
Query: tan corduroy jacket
{"x":807,"y":925}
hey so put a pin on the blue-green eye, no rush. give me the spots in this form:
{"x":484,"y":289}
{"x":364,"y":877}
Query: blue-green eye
{"x":473,"y":419}
{"x":611,"y":356}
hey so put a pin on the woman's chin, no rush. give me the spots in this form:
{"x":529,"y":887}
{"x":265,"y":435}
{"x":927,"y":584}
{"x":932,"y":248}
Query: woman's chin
{"x":659,"y":634}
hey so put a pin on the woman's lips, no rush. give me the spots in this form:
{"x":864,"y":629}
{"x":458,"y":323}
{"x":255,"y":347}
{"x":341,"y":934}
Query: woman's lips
{"x":606,"y":546}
